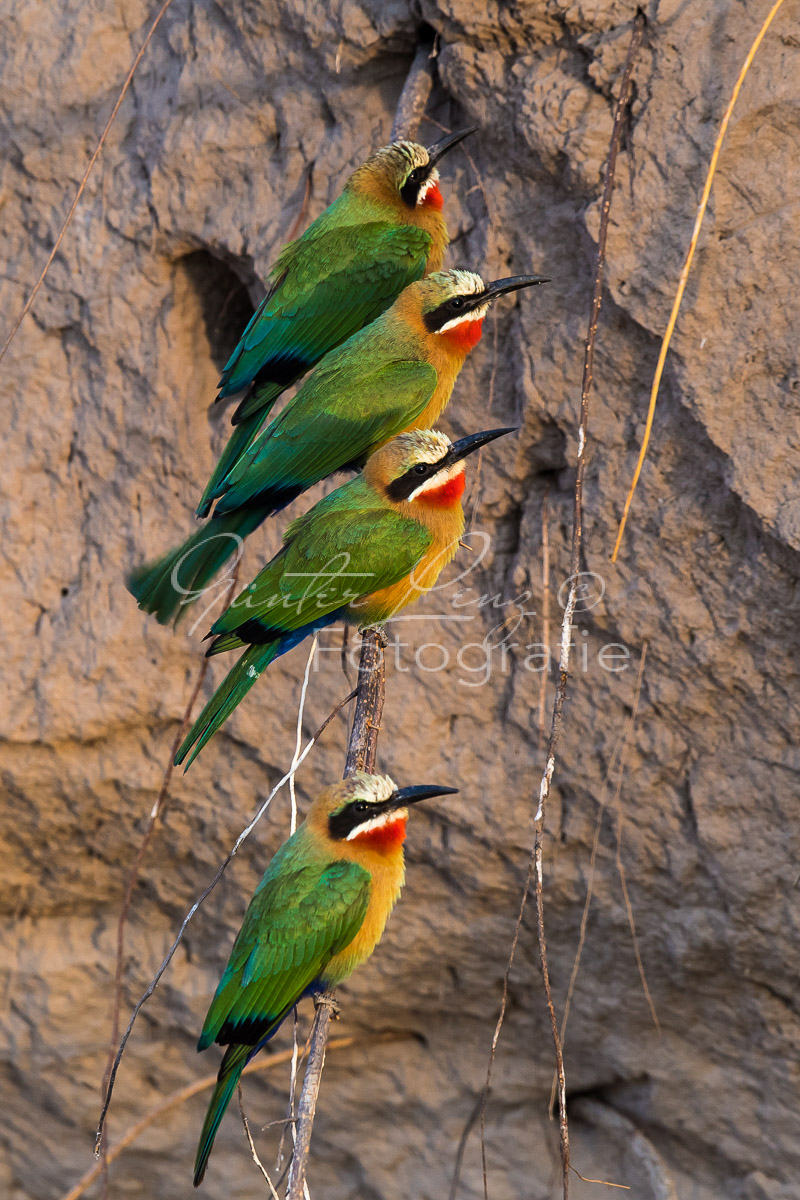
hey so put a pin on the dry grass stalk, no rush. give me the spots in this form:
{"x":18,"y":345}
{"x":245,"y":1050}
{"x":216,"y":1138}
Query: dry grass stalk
{"x":676,"y":304}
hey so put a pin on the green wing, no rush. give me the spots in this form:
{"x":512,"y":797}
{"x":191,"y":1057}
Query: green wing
{"x":300,"y":917}
{"x":334,"y":553}
{"x":327,"y":287}
{"x":337,"y":418}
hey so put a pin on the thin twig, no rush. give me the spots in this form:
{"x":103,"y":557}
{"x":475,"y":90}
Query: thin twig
{"x":620,"y":866}
{"x":626,"y":1187}
{"x":617,"y":761}
{"x":27,"y":306}
{"x":698,"y":221}
{"x":535,"y":865}
{"x":299,"y":740}
{"x":133,"y":874}
{"x":601,"y":808}
{"x":252,"y":1144}
{"x":361,"y":752}
{"x":292,"y":1109}
{"x":499,"y":1025}
{"x":651,"y":1168}
{"x":462,"y":1145}
{"x":545,"y":612}
{"x":197,"y":904}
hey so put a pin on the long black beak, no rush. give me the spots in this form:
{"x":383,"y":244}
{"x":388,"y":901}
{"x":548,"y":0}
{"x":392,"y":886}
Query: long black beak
{"x":402,"y":797}
{"x":473,"y":441}
{"x":499,"y":287}
{"x":440,"y":148}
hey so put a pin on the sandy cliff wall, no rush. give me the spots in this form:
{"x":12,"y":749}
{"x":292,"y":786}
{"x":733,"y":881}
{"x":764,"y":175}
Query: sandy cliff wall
{"x":109,"y":438}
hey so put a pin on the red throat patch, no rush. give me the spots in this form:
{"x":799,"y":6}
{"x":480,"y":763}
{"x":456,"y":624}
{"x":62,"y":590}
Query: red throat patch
{"x":385,"y":838}
{"x":464,"y":337}
{"x":433,"y":198}
{"x":447,"y":495}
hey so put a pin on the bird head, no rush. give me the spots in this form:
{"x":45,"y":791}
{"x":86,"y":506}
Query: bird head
{"x":452,"y":305}
{"x":407,"y":172}
{"x":370,"y":810}
{"x":424,"y":467}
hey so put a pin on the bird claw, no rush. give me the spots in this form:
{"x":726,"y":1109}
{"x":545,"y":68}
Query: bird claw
{"x":324,"y":1001}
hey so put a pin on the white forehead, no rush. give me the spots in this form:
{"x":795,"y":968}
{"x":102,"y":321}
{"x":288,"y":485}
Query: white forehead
{"x":416,"y":155}
{"x":372,"y":788}
{"x":425,"y":445}
{"x":466,"y":283}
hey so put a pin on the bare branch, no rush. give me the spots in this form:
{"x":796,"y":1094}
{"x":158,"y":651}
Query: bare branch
{"x":415,"y":93}
{"x":535,"y":865}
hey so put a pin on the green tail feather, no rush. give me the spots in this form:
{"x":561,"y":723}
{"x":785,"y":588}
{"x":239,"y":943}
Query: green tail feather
{"x":232,"y":1066}
{"x":231,"y":691}
{"x":169,"y":586}
{"x":243,"y":435}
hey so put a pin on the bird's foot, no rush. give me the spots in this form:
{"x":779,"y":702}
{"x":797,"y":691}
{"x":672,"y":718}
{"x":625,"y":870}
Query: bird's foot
{"x":326,"y":1001}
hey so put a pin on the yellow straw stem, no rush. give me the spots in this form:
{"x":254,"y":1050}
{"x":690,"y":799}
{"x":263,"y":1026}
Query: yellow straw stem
{"x":701,"y":212}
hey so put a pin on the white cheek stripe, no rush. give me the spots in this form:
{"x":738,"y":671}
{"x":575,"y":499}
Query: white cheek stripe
{"x":387,"y":818}
{"x":477,"y":314}
{"x":438,"y":480}
{"x":429,"y":183}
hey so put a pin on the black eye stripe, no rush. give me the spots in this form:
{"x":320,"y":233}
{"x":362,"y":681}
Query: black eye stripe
{"x":356,"y":813}
{"x":456,"y":305}
{"x":402,"y":487}
{"x":409,"y":192}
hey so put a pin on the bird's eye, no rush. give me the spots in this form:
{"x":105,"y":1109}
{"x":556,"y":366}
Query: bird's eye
{"x":360,"y":806}
{"x":421,"y":469}
{"x":415,"y":176}
{"x":457,"y":302}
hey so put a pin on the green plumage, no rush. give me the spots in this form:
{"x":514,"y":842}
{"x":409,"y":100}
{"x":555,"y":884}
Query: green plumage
{"x":361,"y":395}
{"x":338,"y":276}
{"x":350,"y":544}
{"x":304,"y":912}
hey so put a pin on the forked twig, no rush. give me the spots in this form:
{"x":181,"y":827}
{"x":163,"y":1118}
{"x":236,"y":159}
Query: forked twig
{"x":264,"y":1063}
{"x":673,"y":316}
{"x":252,"y":1145}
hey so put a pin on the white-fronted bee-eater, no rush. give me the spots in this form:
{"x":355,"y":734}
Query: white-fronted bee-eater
{"x":385,"y":230}
{"x":319,"y":912}
{"x":396,"y":374}
{"x":360,"y":555}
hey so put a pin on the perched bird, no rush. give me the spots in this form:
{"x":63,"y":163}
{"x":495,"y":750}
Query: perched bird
{"x":359,"y":555}
{"x":318,"y":913}
{"x":396,"y":374}
{"x":384,"y":230}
